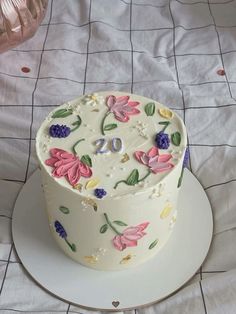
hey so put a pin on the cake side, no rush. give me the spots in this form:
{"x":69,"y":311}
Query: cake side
{"x":112,"y":234}
{"x":123,"y":207}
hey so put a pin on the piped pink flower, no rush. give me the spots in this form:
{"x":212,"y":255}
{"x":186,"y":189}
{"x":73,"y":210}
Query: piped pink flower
{"x":129,"y":237}
{"x":67,"y":165}
{"x":122,"y":107}
{"x":156,"y":162}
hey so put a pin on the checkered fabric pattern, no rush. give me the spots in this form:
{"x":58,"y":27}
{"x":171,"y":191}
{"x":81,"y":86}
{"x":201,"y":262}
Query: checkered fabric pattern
{"x":179,"y":52}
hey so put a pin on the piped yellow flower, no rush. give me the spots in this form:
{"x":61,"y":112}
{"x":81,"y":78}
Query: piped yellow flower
{"x":88,"y":201}
{"x":91,"y":184}
{"x":125,"y":158}
{"x":126,"y":259}
{"x":92,"y":259}
{"x":165,"y":113}
{"x":166,"y":211}
{"x":78,"y":187}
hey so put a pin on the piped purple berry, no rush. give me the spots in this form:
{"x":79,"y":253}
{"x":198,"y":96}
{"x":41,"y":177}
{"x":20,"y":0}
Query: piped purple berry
{"x":60,"y":230}
{"x":186,"y":158}
{"x":100,"y":193}
{"x":162,"y":140}
{"x":59,"y":131}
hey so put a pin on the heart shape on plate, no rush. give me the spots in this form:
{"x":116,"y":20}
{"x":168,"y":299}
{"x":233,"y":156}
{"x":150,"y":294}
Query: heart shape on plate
{"x":115,"y":303}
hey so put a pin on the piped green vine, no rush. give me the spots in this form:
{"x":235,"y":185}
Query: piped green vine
{"x":133,"y":178}
{"x":76,"y":124}
{"x":76,"y":143}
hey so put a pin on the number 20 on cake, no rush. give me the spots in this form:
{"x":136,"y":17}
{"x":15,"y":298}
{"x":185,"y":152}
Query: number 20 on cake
{"x":111,"y":165}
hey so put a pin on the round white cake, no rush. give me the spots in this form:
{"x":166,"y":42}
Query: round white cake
{"x":111,"y":165}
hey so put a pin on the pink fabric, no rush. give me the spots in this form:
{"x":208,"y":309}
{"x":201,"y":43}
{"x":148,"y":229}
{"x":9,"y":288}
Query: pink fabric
{"x":129,"y":237}
{"x":67,"y":165}
{"x":122,"y":107}
{"x":20,"y":20}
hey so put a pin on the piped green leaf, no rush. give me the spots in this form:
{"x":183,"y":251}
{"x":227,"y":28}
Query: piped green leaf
{"x":64,"y":209}
{"x":164,"y":123}
{"x":176,"y":138}
{"x":86,"y":160}
{"x":62,"y":113}
{"x":153,"y":244}
{"x":109,"y":127}
{"x":120,"y":223}
{"x":133,"y":177}
{"x":73,"y":247}
{"x":150,"y":109}
{"x":104,"y":228}
{"x":76,"y":124}
{"x":180,"y":178}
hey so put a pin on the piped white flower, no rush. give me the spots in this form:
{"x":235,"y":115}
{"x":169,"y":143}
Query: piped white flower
{"x":93,"y":99}
{"x":173,"y":220}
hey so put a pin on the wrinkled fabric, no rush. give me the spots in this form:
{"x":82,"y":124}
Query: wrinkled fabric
{"x":179,"y":52}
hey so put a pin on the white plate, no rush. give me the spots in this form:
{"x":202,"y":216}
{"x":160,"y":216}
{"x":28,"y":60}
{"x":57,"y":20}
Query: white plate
{"x":143,"y":285}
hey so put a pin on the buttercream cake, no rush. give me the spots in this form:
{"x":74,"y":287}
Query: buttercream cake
{"x":111,"y":166}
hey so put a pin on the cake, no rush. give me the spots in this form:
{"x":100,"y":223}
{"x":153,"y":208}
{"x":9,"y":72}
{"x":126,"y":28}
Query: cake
{"x":111,"y":165}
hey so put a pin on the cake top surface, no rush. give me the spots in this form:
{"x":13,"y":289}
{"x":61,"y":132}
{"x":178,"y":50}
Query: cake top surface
{"x":110,"y":144}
